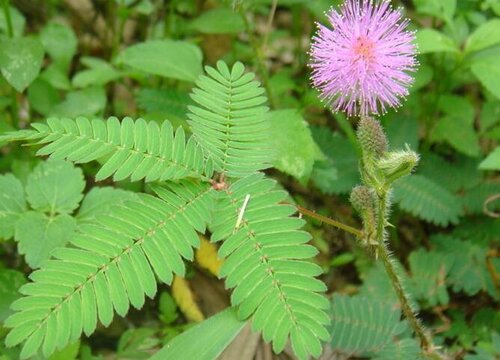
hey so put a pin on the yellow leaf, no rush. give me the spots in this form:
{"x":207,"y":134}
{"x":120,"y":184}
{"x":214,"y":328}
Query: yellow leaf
{"x":206,"y":256}
{"x":184,"y":297}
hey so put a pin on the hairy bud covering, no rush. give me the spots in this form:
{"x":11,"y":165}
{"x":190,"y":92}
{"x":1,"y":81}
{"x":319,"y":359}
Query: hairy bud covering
{"x":371,"y":136}
{"x":398,"y":164}
{"x":361,"y":198}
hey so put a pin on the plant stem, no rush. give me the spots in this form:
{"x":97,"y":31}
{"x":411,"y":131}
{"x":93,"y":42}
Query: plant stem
{"x":327,"y":220}
{"x":259,"y":61}
{"x":10,"y":31}
{"x":382,"y":250}
{"x":269,"y":24}
{"x":6,"y":11}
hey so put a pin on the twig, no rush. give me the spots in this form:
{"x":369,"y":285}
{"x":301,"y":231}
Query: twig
{"x":327,"y":220}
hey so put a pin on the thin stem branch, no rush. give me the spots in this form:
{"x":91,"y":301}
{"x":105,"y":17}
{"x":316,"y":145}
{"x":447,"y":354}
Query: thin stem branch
{"x":8,"y":19}
{"x":327,"y":220}
{"x":269,"y":24}
{"x":404,"y":298}
{"x":10,"y":32}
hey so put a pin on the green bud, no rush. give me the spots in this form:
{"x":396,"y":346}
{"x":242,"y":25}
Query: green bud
{"x":397,"y":164}
{"x":362,"y":199}
{"x":372,"y":138}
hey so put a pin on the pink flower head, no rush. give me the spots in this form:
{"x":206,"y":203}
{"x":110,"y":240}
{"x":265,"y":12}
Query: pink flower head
{"x":360,"y":65}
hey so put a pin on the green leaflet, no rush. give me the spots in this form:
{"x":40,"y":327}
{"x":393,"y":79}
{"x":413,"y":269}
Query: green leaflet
{"x":230,"y":120}
{"x":111,"y":263}
{"x":132,"y":149}
{"x":267,"y":265}
{"x":12,"y":204}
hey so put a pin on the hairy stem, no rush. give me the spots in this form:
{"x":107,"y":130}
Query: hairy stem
{"x":327,"y":220}
{"x":404,"y":298}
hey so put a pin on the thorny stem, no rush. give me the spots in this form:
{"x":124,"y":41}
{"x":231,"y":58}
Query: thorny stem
{"x":404,"y":299}
{"x":327,"y":220}
{"x":10,"y":33}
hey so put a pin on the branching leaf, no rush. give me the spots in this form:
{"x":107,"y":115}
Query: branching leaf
{"x":229,"y":120}
{"x":266,"y":262}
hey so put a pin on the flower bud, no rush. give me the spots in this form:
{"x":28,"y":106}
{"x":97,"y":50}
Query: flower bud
{"x":372,"y":138}
{"x":397,"y":164}
{"x":361,"y":198}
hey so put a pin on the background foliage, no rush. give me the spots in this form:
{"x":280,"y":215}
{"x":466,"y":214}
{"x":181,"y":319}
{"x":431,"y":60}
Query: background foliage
{"x":64,"y":58}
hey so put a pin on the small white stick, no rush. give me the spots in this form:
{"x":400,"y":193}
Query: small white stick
{"x":242,"y":211}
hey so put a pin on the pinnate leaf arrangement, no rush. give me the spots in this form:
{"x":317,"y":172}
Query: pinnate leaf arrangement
{"x":211,"y":180}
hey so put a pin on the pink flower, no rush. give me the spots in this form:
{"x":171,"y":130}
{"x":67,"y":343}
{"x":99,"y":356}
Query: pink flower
{"x":361,"y":65}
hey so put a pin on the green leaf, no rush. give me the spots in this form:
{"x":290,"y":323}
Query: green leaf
{"x":18,"y":22}
{"x":20,"y":61}
{"x":431,"y":41}
{"x":294,"y":145}
{"x":457,"y":126}
{"x":268,"y":264}
{"x":492,"y":161}
{"x":456,"y":174}
{"x":89,"y":101}
{"x":100,"y":200}
{"x":442,"y":9}
{"x":402,"y":130}
{"x":218,"y":21}
{"x":428,"y":274}
{"x":167,"y":58}
{"x":55,"y":186}
{"x":405,"y":349}
{"x":168,"y":308}
{"x":168,"y":101}
{"x":473,"y":200}
{"x":59,"y":41}
{"x":468,"y":270}
{"x":42,"y":96}
{"x":205,"y":341}
{"x":427,"y":200}
{"x":343,"y":157}
{"x":39,"y":234}
{"x":55,"y":74}
{"x":230,"y":120}
{"x":10,"y":281}
{"x":137,"y":343}
{"x":487,"y":71}
{"x":99,"y":73}
{"x":486,"y":35}
{"x":362,"y":324}
{"x":12,"y":204}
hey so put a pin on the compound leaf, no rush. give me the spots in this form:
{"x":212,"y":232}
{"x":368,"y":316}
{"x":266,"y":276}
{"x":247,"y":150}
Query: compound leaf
{"x":109,"y":265}
{"x":266,"y":262}
{"x":427,"y":200}
{"x":229,"y":120}
{"x":362,"y":324}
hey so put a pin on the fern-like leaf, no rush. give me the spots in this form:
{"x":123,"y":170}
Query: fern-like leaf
{"x":266,"y":265}
{"x":135,"y":149}
{"x":362,"y":324}
{"x":427,"y":200}
{"x":230,"y":121}
{"x":110,"y":265}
